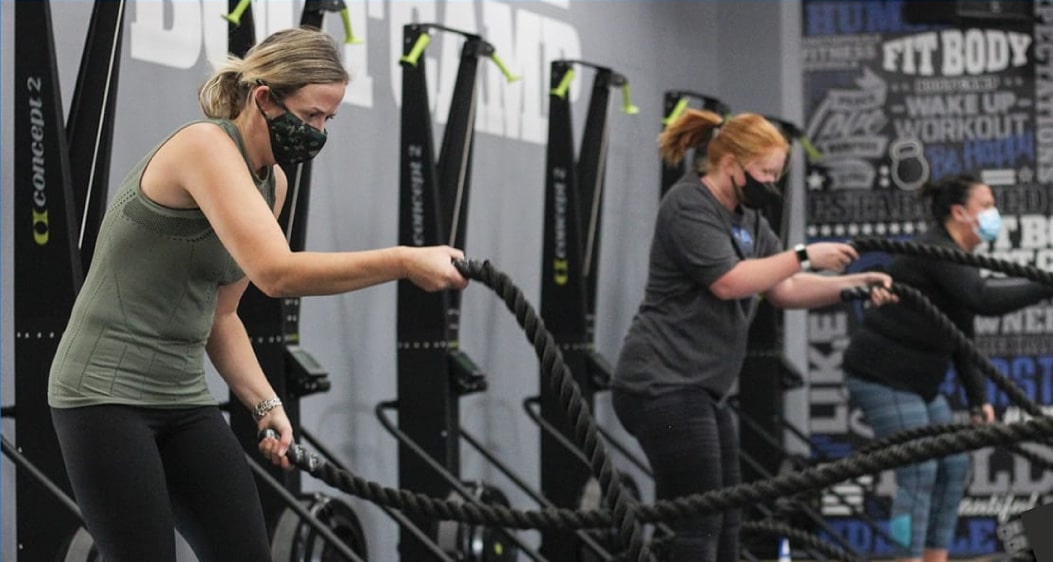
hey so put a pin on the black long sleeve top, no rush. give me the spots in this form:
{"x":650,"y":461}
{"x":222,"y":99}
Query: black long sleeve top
{"x":900,"y":347}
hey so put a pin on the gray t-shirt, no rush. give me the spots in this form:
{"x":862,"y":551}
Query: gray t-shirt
{"x":684,"y":336}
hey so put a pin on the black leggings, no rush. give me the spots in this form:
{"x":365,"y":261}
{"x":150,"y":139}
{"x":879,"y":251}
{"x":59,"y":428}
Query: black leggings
{"x":140,"y":473}
{"x":691,"y":442}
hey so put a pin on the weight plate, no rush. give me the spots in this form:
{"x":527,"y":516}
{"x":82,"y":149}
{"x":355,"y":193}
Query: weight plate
{"x":477,"y":543}
{"x":295,"y":540}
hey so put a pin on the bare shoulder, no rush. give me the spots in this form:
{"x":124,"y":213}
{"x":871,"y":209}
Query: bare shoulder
{"x":203,"y":138}
{"x":205,"y":146}
{"x":196,"y":157}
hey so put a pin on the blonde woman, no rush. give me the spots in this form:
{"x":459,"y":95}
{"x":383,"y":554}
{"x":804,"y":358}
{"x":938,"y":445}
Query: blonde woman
{"x":144,"y":443}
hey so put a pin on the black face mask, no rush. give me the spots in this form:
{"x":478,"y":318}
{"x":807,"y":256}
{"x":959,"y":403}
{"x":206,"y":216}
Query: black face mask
{"x":292,"y":140}
{"x":756,"y":194}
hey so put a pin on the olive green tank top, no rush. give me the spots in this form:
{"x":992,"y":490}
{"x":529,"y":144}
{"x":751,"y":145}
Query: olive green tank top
{"x":139,"y":325}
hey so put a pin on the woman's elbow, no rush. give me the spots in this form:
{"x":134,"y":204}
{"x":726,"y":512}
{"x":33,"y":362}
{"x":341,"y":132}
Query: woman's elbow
{"x":273,"y":289}
{"x":724,"y":290}
{"x":275,"y":282}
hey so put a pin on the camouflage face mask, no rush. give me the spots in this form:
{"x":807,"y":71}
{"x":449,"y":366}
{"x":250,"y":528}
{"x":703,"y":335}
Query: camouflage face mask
{"x":292,"y":140}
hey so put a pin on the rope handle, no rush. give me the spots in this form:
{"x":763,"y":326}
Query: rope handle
{"x":296,"y":453}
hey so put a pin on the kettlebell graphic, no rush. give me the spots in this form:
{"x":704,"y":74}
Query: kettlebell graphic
{"x":909,"y":167}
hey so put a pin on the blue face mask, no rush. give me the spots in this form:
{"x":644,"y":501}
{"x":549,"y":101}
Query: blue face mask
{"x":988,"y":224}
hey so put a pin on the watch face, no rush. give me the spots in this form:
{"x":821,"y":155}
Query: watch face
{"x":802,"y":252}
{"x":802,"y":256}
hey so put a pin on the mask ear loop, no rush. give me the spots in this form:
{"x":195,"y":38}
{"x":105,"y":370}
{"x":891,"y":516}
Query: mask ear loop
{"x":745,"y":175}
{"x":786,"y":166}
{"x":272,"y":94}
{"x":260,"y":83}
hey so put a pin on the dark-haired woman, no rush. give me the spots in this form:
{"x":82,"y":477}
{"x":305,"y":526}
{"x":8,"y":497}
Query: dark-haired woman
{"x":898,"y":359}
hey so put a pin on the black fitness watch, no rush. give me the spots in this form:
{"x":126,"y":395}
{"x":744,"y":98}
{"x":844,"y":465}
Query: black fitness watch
{"x":802,"y":257}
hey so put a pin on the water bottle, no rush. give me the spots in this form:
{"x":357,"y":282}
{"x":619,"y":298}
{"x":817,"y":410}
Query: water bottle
{"x":784,"y":550}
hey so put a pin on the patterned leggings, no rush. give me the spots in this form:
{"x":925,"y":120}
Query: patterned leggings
{"x":925,"y":509}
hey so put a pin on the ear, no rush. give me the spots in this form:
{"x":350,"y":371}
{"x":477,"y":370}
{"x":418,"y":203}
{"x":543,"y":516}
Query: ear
{"x":959,"y":213}
{"x":262,"y":96}
{"x":729,"y":164}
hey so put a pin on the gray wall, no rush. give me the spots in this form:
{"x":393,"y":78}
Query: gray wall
{"x":744,"y":52}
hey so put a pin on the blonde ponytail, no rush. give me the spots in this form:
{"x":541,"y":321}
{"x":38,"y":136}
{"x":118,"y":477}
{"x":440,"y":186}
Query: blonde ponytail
{"x":223,"y":95}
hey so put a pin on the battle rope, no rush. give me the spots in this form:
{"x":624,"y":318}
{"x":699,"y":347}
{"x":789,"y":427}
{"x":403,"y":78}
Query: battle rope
{"x":922,"y":432}
{"x":913,"y":434}
{"x":627,"y":513}
{"x":789,"y":484}
{"x":960,"y":257}
{"x":916,"y":299}
{"x":833,"y":472}
{"x":686,"y":507}
{"x":622,"y":504}
{"x":925,"y":431}
{"x":561,"y":379}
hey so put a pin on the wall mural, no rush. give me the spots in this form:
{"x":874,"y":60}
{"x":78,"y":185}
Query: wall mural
{"x":891,"y":102}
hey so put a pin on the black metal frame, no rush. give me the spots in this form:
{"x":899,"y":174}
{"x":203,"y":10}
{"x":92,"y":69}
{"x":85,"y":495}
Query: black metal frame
{"x":570,"y":257}
{"x":475,"y":443}
{"x":66,"y":173}
{"x":60,"y":173}
{"x":90,"y":123}
{"x":400,"y":518}
{"x":454,"y":483}
{"x":433,"y":373}
{"x":291,"y":500}
{"x":532,"y":407}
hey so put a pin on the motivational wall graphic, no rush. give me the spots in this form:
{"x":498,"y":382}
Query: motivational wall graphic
{"x":890,"y":104}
